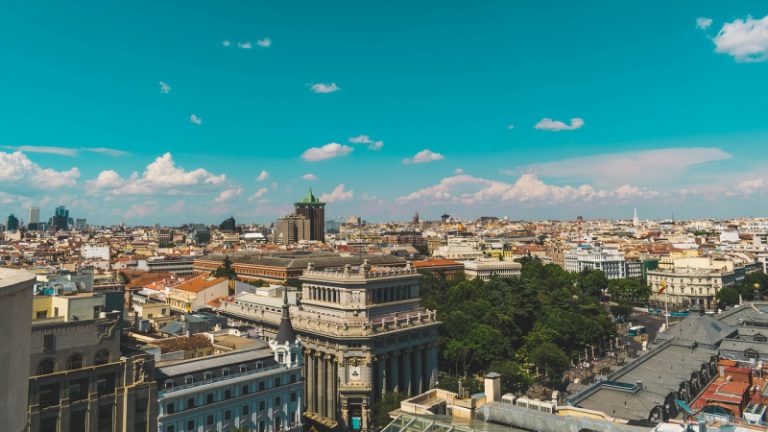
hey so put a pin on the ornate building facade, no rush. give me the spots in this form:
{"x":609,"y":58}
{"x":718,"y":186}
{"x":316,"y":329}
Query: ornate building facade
{"x":364,"y":334}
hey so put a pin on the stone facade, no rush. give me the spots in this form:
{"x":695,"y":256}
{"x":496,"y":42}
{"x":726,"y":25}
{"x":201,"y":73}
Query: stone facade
{"x":364,"y":334}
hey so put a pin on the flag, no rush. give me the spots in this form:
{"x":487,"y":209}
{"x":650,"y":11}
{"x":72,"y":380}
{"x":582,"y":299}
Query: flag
{"x":663,"y":286}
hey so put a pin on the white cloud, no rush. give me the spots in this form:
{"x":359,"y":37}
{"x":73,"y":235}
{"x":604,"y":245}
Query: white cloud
{"x":309,"y":176}
{"x":106,"y":151}
{"x":244,"y":45}
{"x":703,"y":22}
{"x":228,"y":194}
{"x":656,"y":166}
{"x":195,"y":119}
{"x":327,"y":151}
{"x":557,"y":125}
{"x":264,"y":43}
{"x":162,"y":176}
{"x":338,"y":194}
{"x":424,"y":156}
{"x":745,"y":40}
{"x":164,"y":88}
{"x":226,"y":43}
{"x":259,"y":193}
{"x":365,"y":139}
{"x":469,"y":190}
{"x":458,"y":171}
{"x":748,"y":187}
{"x":263,"y":175}
{"x":16,"y":167}
{"x":138,"y":211}
{"x":325,"y":88}
{"x":510,"y":126}
{"x":61,"y":151}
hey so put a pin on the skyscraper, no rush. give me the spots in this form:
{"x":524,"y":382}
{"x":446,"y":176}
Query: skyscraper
{"x":34,"y":215}
{"x":13,"y":223}
{"x":311,"y":208}
{"x":60,"y":219}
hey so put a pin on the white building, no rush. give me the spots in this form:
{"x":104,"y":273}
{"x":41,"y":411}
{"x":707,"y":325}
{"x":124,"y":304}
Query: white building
{"x":95,"y":252}
{"x":485,"y":269}
{"x":460,"y":249}
{"x":585,"y":256}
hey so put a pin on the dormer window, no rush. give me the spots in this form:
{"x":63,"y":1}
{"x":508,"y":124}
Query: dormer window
{"x":243,"y":368}
{"x":189,"y":379}
{"x":168,"y":384}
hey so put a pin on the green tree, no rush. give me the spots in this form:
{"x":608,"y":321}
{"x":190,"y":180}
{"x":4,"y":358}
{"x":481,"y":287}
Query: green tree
{"x":225,"y":269}
{"x":592,"y":282}
{"x":386,"y":403}
{"x":550,"y":359}
{"x":632,"y":291}
{"x":727,"y":296}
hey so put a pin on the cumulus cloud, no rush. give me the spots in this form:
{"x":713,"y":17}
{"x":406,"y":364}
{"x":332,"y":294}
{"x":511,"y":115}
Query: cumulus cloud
{"x":656,"y":166}
{"x":228,"y":194}
{"x":226,"y":43}
{"x":549,"y":124}
{"x":164,"y":87}
{"x":259,"y":193}
{"x":196,"y":120}
{"x":325,"y":88}
{"x":309,"y":176}
{"x":458,"y":171}
{"x":139,"y":211}
{"x":264,"y":43}
{"x":328,"y":151}
{"x":745,"y":40}
{"x":703,"y":22}
{"x":468,"y":190}
{"x":338,"y":194}
{"x":244,"y":45}
{"x":365,"y":139}
{"x":263,"y":175}
{"x":16,"y":167}
{"x":424,"y":156}
{"x":162,"y":176}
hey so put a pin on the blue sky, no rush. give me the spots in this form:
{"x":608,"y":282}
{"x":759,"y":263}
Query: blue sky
{"x":170,"y":111}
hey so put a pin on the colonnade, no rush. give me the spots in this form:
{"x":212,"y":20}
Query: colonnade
{"x":321,"y":370}
{"x":409,"y":371}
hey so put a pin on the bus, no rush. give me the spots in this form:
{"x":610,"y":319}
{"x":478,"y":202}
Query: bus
{"x":636,"y":331}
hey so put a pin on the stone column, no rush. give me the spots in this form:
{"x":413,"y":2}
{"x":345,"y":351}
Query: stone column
{"x":383,"y":373}
{"x":407,"y":379}
{"x":330,"y":388}
{"x":322,"y":388}
{"x":418,"y":354}
{"x":311,"y":383}
{"x":394,"y":358}
{"x":432,"y":365}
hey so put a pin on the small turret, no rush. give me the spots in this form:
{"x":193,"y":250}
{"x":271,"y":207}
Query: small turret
{"x":286,"y":344}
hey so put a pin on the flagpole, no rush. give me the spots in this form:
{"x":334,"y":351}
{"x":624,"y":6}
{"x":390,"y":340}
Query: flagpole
{"x":666,"y":307}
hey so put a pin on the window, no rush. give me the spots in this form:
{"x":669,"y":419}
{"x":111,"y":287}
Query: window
{"x":228,"y":415}
{"x":75,"y":361}
{"x":277,"y":382}
{"x":170,"y":408}
{"x":244,"y":390}
{"x":45,"y":366}
{"x":190,"y":403}
{"x":207,"y":375}
{"x":245,"y":410}
{"x":293,"y":378}
{"x":190,"y":425}
{"x":78,"y":389}
{"x":105,"y":384}
{"x":209,"y":398}
{"x":105,"y":418}
{"x":41,"y":314}
{"x":48,"y":395}
{"x":170,"y":428}
{"x":49,"y":343}
{"x":228,"y":394}
{"x":209,"y":420}
{"x":168,"y":384}
{"x":101,"y":357}
{"x":277,"y":401}
{"x":261,"y":385}
{"x":293,"y":397}
{"x":189,"y":379}
{"x":262,"y":426}
{"x":225,"y":372}
{"x":262,"y":405}
{"x":243,"y":368}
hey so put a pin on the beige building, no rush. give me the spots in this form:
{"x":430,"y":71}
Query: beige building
{"x":195,"y":293}
{"x":73,"y":307}
{"x":80,"y":381}
{"x":292,"y":229}
{"x":485,"y":269}
{"x":364,"y":334}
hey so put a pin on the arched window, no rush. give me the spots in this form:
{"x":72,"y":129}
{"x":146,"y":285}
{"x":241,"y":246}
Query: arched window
{"x":46,"y":366}
{"x":101,"y":357}
{"x":75,"y":361}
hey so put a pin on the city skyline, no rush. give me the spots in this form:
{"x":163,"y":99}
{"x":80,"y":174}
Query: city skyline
{"x":163,"y":114}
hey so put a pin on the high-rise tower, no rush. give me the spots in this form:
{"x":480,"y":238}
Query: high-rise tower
{"x":311,"y":208}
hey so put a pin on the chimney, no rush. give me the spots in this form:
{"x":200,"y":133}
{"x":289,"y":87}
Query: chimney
{"x":492,"y":387}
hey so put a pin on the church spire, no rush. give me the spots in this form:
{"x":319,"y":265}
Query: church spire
{"x":285,"y":332}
